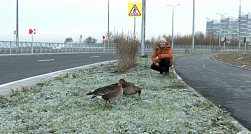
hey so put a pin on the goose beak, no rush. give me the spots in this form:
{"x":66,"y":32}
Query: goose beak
{"x":139,"y":94}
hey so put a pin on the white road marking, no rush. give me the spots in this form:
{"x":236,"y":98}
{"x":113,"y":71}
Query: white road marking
{"x":53,"y":74}
{"x":46,"y":60}
{"x":94,"y":56}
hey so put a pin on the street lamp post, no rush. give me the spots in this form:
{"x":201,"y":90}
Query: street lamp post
{"x":143,"y":28}
{"x":239,"y":44}
{"x":17,"y":33}
{"x":108,"y":28}
{"x":193,"y":26}
{"x":173,"y":19}
{"x":220,"y":30}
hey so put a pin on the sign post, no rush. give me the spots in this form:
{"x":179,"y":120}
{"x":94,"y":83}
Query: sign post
{"x":104,"y":38}
{"x":80,"y":39}
{"x":135,"y":10}
{"x":246,"y":40}
{"x":32,"y":31}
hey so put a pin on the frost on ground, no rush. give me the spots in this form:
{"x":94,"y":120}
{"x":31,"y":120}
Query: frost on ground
{"x":61,"y":105}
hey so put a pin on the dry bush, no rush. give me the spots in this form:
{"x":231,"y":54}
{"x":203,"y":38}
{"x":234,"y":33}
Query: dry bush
{"x":127,"y":48}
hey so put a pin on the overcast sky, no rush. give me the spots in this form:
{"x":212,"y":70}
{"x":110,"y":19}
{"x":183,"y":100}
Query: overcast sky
{"x":55,"y":20}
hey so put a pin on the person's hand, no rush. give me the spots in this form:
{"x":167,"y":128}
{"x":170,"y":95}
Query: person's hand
{"x":157,"y":64}
{"x":157,"y":58}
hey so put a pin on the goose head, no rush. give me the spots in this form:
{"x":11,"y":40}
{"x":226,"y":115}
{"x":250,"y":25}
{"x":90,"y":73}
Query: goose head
{"x":121,"y":82}
{"x":137,"y":90}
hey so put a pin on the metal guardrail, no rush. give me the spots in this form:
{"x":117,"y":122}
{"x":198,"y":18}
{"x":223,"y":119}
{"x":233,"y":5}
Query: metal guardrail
{"x":10,"y":47}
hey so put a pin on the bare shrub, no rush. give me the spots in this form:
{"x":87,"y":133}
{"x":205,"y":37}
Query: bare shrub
{"x":127,"y":48}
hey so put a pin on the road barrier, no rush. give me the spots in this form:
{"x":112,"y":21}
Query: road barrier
{"x":11,"y":47}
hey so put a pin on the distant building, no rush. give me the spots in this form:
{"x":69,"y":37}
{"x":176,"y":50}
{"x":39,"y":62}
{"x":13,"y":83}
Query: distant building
{"x":228,"y":27}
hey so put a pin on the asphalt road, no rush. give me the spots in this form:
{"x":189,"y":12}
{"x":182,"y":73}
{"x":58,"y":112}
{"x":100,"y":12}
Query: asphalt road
{"x":222,"y":84}
{"x":13,"y":68}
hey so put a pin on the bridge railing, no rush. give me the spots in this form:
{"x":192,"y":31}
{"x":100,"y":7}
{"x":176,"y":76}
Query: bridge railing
{"x":11,"y":47}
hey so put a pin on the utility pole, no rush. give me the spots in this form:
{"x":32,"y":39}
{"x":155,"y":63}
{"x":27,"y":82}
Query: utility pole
{"x":17,"y":33}
{"x":239,"y":25}
{"x":108,"y":27}
{"x":173,"y":20}
{"x":193,"y":25}
{"x":143,"y":28}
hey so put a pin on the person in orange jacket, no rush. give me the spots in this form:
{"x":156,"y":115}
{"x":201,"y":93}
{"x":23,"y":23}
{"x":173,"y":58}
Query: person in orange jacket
{"x":162,"y":57}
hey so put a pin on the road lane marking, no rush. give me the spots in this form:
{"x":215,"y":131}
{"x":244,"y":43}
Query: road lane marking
{"x":94,"y":56}
{"x":46,"y":60}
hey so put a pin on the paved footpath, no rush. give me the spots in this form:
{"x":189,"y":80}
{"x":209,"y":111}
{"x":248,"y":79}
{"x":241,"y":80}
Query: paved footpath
{"x":222,"y":84}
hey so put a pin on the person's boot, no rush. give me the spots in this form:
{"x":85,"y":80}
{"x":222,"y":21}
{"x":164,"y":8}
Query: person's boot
{"x":161,"y":72}
{"x":166,"y":73}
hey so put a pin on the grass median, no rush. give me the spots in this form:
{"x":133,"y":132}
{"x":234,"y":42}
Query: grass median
{"x":166,"y":105}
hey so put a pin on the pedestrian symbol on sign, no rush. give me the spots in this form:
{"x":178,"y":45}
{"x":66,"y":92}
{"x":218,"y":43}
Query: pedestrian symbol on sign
{"x":134,"y":11}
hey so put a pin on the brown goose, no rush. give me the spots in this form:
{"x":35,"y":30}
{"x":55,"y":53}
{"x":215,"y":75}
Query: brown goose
{"x":108,"y":93}
{"x":129,"y":88}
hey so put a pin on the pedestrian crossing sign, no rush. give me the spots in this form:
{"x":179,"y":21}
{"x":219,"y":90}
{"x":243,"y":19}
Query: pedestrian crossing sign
{"x":134,"y":9}
{"x":247,"y":38}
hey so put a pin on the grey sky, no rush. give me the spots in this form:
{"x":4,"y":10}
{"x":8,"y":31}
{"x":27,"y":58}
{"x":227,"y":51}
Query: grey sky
{"x":56,"y":20}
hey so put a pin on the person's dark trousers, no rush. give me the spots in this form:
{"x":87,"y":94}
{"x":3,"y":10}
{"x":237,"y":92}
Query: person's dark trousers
{"x":163,"y":64}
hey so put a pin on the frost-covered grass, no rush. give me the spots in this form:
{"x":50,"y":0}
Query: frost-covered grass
{"x":61,"y":106}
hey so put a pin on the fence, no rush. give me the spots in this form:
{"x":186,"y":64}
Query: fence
{"x":10,"y":47}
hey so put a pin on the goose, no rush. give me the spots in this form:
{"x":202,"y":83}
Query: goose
{"x":108,"y":93}
{"x":130,"y":89}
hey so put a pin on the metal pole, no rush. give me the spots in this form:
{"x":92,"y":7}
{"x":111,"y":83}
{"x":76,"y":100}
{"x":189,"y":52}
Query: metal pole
{"x":224,"y":35}
{"x":108,"y":26}
{"x":17,"y":33}
{"x":134,"y":35}
{"x":173,"y":20}
{"x":32,"y":43}
{"x":247,"y":32}
{"x":220,"y":34}
{"x":239,"y":25}
{"x":193,"y":26}
{"x":245,"y":45}
{"x":104,"y":45}
{"x":172,"y":25}
{"x":143,"y":29}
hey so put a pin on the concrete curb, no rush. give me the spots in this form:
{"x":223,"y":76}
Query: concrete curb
{"x":31,"y":81}
{"x":243,"y":129}
{"x":227,"y":63}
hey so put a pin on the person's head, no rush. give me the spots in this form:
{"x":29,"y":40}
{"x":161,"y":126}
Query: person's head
{"x":162,"y":42}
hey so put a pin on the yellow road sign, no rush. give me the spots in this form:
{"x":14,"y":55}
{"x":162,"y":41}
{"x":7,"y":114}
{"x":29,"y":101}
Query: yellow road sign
{"x":134,"y":9}
{"x":247,"y":39}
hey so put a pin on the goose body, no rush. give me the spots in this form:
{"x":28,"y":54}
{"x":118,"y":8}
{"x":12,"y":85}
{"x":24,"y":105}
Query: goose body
{"x":108,"y":93}
{"x":130,"y":89}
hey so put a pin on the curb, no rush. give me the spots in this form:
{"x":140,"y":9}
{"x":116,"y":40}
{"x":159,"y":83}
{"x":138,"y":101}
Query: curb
{"x":243,"y":129}
{"x":31,"y":81}
{"x":228,"y":63}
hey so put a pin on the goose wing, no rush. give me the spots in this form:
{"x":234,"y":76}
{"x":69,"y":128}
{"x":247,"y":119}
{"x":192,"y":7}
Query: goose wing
{"x":103,"y":90}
